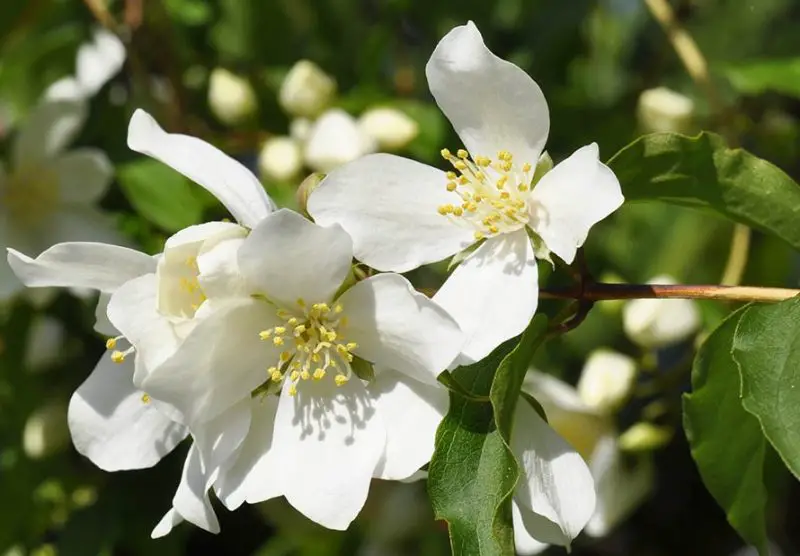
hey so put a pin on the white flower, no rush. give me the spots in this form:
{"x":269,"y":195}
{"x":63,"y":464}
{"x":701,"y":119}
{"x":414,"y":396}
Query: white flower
{"x":280,"y":158}
{"x":663,"y":109}
{"x":273,"y":373}
{"x":655,"y":323}
{"x":621,"y":485}
{"x":299,"y":128}
{"x":335,"y":139}
{"x":606,"y":380}
{"x":391,"y":128}
{"x":307,"y":90}
{"x":231,"y":98}
{"x":112,"y":421}
{"x":107,"y":418}
{"x":403,"y":214}
{"x":49,"y":194}
{"x":96,"y":62}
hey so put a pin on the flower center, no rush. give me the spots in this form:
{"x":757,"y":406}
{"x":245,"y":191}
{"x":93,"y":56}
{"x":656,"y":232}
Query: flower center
{"x":494,"y":193}
{"x":190,"y":286}
{"x":313,"y":342}
{"x":30,"y":195}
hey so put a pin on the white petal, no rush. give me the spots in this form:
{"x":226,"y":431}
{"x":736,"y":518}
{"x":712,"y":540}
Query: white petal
{"x":191,"y":502}
{"x":218,"y":364}
{"x":288,"y":257}
{"x":493,"y":105}
{"x":66,"y":88}
{"x":206,"y":233}
{"x":170,"y":520}
{"x":493,"y":294}
{"x":99,"y":60}
{"x":255,"y":475}
{"x":329,"y":440}
{"x":83,"y":175}
{"x":219,"y":274}
{"x":535,"y":528}
{"x":621,"y":485}
{"x":81,"y":265}
{"x":571,"y":198}
{"x":218,"y":439}
{"x":411,"y":412}
{"x":388,"y":205}
{"x":525,"y":544}
{"x":111,"y":424}
{"x":581,"y":426}
{"x":132,"y":311}
{"x":102,"y":325}
{"x":230,"y":182}
{"x":50,"y":127}
{"x":399,"y":328}
{"x":556,"y":483}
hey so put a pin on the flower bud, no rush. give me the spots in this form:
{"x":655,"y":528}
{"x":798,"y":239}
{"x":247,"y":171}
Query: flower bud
{"x":306,"y":188}
{"x":307,"y":90}
{"x":335,"y":139}
{"x":280,"y":158}
{"x":231,"y":97}
{"x":606,"y":380}
{"x":654,"y":323}
{"x":299,"y":128}
{"x":46,"y":431}
{"x":644,"y":437}
{"x":390,"y":128}
{"x":663,"y":109}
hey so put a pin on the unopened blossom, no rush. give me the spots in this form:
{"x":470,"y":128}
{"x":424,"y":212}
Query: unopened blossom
{"x":231,"y":97}
{"x":621,"y":485}
{"x":96,"y":63}
{"x":279,"y":370}
{"x":49,"y":194}
{"x":280,"y":158}
{"x":606,"y":380}
{"x":335,"y":139}
{"x":655,"y":323}
{"x":391,"y":128}
{"x":403,"y":214}
{"x":662,"y":109}
{"x":306,"y":90}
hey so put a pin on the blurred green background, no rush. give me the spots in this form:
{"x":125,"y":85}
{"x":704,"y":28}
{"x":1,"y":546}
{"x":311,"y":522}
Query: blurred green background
{"x":593,"y":60}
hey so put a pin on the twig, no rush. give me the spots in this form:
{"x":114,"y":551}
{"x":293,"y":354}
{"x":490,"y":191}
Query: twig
{"x":601,"y":292}
{"x":101,"y":14}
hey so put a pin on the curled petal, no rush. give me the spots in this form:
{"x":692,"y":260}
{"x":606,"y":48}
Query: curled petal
{"x":230,"y":182}
{"x":81,"y":265}
{"x":556,"y":491}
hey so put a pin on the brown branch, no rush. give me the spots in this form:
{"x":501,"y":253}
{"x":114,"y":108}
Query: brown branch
{"x":601,"y":292}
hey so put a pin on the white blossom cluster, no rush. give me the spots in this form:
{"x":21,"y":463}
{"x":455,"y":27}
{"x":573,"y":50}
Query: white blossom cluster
{"x":292,"y":375}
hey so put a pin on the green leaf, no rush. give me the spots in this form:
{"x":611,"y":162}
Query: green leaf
{"x":757,"y":77}
{"x":727,"y":443}
{"x":767,"y":349}
{"x":160,"y":194}
{"x":473,"y":473}
{"x":702,"y":172}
